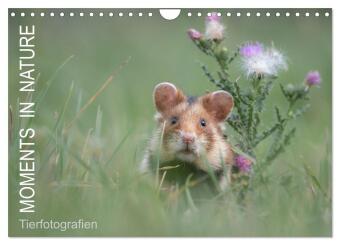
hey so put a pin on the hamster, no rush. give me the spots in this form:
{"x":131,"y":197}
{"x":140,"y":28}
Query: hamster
{"x":190,"y":130}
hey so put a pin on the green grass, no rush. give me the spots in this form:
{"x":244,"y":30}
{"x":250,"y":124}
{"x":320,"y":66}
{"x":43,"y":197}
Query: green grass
{"x":89,"y":171}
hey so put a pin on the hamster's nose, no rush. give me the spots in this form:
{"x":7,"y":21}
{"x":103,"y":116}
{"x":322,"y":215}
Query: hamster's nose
{"x":188,"y":138}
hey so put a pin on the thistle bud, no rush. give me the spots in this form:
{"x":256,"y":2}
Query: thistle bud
{"x":313,"y":78}
{"x":224,"y":53}
{"x":290,"y":88}
{"x":194,"y":34}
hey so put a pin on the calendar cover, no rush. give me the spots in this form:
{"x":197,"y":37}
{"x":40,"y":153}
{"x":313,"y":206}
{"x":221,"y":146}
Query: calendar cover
{"x":170,"y":123}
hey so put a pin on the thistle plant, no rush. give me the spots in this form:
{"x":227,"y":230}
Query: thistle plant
{"x":261,"y":66}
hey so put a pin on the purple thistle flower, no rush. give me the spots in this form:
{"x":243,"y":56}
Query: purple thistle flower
{"x":243,"y":163}
{"x":313,"y":78}
{"x":194,"y":34}
{"x":213,"y":17}
{"x":259,"y":61}
{"x":251,"y":49}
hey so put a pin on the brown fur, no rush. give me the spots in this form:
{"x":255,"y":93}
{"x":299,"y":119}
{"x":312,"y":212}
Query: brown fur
{"x":209,"y":144}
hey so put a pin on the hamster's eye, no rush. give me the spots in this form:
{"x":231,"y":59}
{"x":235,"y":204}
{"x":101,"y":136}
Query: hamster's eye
{"x":173,"y":120}
{"x":203,"y":123}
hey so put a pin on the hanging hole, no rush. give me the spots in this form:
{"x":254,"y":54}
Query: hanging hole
{"x":169,"y":14}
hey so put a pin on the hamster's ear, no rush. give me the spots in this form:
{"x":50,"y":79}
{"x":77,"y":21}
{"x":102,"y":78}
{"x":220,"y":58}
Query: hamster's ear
{"x":166,"y":96}
{"x":219,"y":104}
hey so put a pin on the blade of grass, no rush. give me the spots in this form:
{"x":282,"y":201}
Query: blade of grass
{"x":79,"y":160}
{"x":314,"y":180}
{"x":120,"y":144}
{"x":97,"y":93}
{"x":10,"y":124}
{"x":98,"y":122}
{"x":49,"y":82}
{"x":61,"y":116}
{"x":169,"y":167}
{"x":188,"y":194}
{"x":161,"y":182}
{"x":211,"y":174}
{"x":104,"y":178}
{"x":41,"y":95}
{"x":59,"y":120}
{"x":158,"y":154}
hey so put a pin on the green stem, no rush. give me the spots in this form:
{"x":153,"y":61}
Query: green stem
{"x":255,"y":91}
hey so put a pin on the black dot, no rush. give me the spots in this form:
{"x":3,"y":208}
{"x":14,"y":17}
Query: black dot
{"x":203,"y":123}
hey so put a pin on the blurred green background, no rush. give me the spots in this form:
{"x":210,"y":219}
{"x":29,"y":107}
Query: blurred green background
{"x":111,"y":135}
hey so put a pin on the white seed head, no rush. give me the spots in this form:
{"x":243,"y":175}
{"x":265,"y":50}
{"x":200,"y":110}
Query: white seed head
{"x":269,"y":62}
{"x":214,"y":30}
